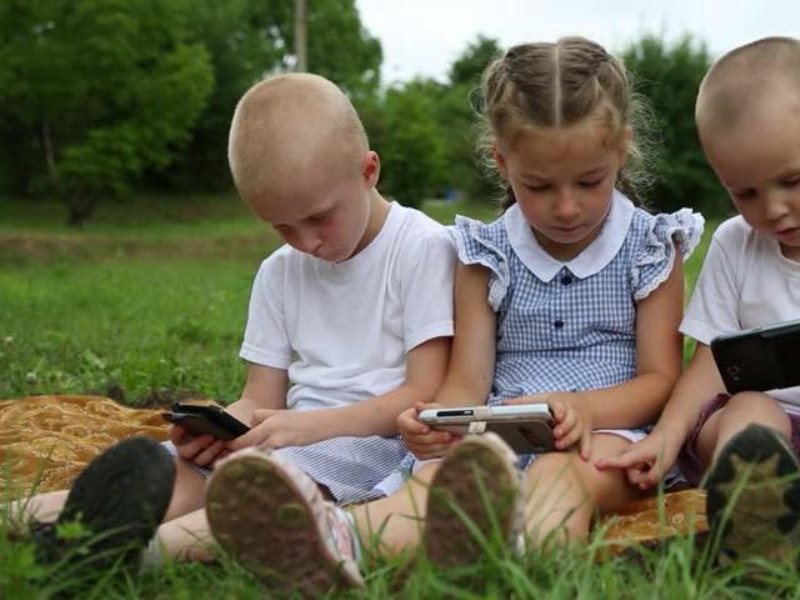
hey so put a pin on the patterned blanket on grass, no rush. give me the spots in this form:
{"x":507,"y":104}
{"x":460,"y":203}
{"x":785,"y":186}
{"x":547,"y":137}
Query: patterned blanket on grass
{"x":45,"y":441}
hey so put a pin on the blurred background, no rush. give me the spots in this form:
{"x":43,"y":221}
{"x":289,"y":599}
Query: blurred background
{"x":125,"y":257}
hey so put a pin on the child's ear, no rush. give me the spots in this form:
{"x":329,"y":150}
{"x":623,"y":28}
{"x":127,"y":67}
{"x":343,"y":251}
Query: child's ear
{"x":371,"y":168}
{"x":500,"y":160}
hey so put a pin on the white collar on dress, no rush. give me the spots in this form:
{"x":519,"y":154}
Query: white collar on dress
{"x":594,"y":257}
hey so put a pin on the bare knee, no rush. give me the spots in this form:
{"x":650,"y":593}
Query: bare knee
{"x":743,"y":409}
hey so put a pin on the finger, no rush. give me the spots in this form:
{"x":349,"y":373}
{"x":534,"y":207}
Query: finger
{"x":209,"y":455}
{"x":586,"y":445}
{"x":410,"y":425}
{"x":625,"y":460}
{"x":566,"y":423}
{"x":191,"y":446}
{"x":260,"y":415}
{"x":558,"y":409}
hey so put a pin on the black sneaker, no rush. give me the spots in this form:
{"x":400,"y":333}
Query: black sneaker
{"x":119,"y":500}
{"x":753,"y":497}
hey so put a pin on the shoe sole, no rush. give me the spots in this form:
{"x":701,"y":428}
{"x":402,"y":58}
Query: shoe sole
{"x":121,"y":498}
{"x":473,"y":499}
{"x":260,"y":516}
{"x":753,"y":497}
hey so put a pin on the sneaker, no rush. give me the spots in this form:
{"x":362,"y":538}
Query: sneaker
{"x":753,"y":496}
{"x":119,"y":500}
{"x":474,"y":498}
{"x":272,"y":518}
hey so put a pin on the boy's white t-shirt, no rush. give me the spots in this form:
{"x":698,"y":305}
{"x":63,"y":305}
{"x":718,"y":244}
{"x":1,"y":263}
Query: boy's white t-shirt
{"x":745,"y":282}
{"x":343,"y":329}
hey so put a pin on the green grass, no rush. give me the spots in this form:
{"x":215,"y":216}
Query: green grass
{"x":152,"y":296}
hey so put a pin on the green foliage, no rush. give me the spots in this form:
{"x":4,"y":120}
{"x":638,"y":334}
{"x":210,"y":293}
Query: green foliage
{"x":100,"y":90}
{"x":669,"y":76}
{"x":412,"y":146}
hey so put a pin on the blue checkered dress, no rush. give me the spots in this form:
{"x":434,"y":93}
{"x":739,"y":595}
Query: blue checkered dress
{"x":571,"y":333}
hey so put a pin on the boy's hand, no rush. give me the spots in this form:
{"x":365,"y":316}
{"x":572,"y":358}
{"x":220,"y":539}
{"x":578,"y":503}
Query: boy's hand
{"x":572,"y":426}
{"x":646,"y":461}
{"x":202,"y":450}
{"x":280,"y":428}
{"x":423,"y":441}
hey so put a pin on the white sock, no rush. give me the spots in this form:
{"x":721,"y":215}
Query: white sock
{"x":153,"y":554}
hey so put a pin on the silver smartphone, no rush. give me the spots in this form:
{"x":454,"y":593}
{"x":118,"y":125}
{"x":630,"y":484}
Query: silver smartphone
{"x":760,"y":359}
{"x":527,"y":428}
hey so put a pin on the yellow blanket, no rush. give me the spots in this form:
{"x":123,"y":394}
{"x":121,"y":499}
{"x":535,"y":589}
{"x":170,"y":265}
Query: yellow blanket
{"x":45,"y":441}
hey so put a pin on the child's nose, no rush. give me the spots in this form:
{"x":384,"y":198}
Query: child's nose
{"x":566,"y":206}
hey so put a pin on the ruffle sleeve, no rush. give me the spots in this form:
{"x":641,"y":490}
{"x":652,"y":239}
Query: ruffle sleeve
{"x":681,"y":230}
{"x":480,"y":244}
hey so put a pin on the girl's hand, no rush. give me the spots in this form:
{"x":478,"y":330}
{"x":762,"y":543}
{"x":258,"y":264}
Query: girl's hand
{"x":423,"y":441}
{"x":280,"y":428}
{"x":572,"y":426}
{"x":647,"y":461}
{"x":202,"y":450}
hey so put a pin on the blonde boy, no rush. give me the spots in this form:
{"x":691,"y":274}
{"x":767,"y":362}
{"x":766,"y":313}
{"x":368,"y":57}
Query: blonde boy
{"x":356,"y":310}
{"x":748,"y":119}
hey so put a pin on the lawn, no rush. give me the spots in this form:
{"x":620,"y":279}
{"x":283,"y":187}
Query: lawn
{"x":150,"y":299}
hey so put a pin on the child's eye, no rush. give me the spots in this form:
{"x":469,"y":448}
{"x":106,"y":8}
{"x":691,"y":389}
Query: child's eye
{"x":537,"y":188}
{"x":592,"y":183}
{"x":790,"y":183}
{"x":745,"y":194}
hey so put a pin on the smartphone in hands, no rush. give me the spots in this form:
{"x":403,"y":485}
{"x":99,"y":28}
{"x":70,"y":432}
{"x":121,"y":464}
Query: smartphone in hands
{"x":759,"y":359}
{"x":202,"y":419}
{"x":526,"y":428}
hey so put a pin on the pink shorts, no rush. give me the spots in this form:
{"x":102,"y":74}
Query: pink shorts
{"x":689,"y":462}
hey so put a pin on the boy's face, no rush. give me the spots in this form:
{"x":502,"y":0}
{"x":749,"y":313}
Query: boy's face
{"x":758,"y":162}
{"x":326,"y":217}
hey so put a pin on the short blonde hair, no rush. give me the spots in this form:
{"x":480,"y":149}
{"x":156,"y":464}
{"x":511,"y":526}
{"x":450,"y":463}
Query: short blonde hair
{"x":287,"y":125}
{"x":745,"y":76}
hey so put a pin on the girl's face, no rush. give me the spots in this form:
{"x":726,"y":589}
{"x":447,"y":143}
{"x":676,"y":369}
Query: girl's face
{"x":563,"y":179}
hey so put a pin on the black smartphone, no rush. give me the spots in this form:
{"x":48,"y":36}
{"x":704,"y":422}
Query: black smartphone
{"x":760,"y":359}
{"x":200,"y":419}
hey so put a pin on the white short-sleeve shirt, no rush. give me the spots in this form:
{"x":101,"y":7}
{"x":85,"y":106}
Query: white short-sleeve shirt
{"x":343,"y":329}
{"x":745,"y":282}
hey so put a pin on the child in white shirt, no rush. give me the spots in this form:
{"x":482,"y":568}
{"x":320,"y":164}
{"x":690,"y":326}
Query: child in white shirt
{"x":748,"y":119}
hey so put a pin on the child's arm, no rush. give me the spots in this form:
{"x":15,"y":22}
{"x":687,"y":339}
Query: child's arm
{"x":265,"y":388}
{"x":639,"y":400}
{"x":648,"y":460}
{"x":471,"y":369}
{"x":276,"y":428}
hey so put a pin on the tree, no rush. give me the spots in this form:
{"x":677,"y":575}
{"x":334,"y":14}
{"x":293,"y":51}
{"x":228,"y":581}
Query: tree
{"x":102,"y":88}
{"x":412,"y":145}
{"x":459,"y":116}
{"x":669,"y":76}
{"x":250,"y":40}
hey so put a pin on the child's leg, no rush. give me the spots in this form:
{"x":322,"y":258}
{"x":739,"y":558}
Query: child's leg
{"x":189,"y":492}
{"x":563,"y":492}
{"x":395,"y":523}
{"x":187,"y":537}
{"x":43,"y":508}
{"x":739,"y":411}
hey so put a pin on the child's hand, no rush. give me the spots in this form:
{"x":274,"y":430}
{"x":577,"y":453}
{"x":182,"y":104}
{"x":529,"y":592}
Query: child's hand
{"x":280,"y":428}
{"x":572,"y":426}
{"x":202,"y":450}
{"x":423,"y":441}
{"x":646,"y":461}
